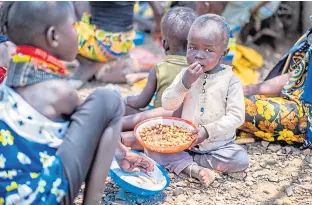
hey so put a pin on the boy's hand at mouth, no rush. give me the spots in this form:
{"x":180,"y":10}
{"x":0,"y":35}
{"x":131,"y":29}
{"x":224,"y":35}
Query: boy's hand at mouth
{"x":192,"y":73}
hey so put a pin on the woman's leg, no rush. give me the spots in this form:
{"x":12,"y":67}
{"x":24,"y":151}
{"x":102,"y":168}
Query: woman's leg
{"x":274,"y":119}
{"x":89,"y":145}
{"x":130,"y":121}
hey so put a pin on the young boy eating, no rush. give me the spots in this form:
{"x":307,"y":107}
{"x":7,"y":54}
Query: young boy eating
{"x":211,"y":97}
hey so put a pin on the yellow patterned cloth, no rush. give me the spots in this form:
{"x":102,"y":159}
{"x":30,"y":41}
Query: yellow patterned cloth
{"x":274,"y":119}
{"x":286,"y":118}
{"x":99,"y":45}
{"x":246,"y":62}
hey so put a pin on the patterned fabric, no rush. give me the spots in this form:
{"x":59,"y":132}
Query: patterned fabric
{"x":3,"y":71}
{"x":30,"y":171}
{"x":3,"y":39}
{"x":289,"y":116}
{"x":290,"y":59}
{"x":274,"y":119}
{"x":32,"y":65}
{"x":100,"y":45}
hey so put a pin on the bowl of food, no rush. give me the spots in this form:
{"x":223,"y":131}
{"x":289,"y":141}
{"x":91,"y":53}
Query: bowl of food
{"x":144,"y":184}
{"x":165,"y":135}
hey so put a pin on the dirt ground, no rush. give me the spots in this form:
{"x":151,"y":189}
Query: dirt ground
{"x":277,"y":174}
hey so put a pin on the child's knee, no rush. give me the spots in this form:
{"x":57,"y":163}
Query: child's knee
{"x":111,"y":101}
{"x":241,"y":159}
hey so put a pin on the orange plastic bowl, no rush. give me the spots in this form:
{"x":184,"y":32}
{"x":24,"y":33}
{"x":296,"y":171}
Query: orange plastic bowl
{"x":164,"y":121}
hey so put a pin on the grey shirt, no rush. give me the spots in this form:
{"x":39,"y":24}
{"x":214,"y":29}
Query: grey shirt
{"x":112,"y":16}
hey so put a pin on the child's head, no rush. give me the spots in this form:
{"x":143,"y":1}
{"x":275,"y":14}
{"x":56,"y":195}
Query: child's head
{"x":175,"y":26}
{"x":207,"y":41}
{"x":44,"y":24}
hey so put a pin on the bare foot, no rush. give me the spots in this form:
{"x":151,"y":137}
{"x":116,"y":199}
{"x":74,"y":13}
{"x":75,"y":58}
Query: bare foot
{"x":86,"y":69}
{"x":204,"y":175}
{"x":113,"y":72}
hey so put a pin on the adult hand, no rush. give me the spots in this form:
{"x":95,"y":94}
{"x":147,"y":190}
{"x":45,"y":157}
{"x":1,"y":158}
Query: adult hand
{"x":192,"y":73}
{"x":252,"y":89}
{"x":202,"y":7}
{"x":132,"y":162}
{"x":156,"y":32}
{"x":158,"y":12}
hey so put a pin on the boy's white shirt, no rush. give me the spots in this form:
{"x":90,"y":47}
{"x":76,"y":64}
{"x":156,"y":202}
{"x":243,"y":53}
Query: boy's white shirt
{"x":224,"y":108}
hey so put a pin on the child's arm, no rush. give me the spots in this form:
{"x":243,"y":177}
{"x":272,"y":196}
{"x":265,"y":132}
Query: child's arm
{"x":174,"y":95}
{"x":142,"y":100}
{"x":224,"y":128}
{"x":67,"y":100}
{"x":130,"y":121}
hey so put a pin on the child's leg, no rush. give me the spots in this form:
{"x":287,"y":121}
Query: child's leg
{"x":131,"y":111}
{"x":228,"y":158}
{"x":135,"y":77}
{"x":130,"y":121}
{"x":129,"y":140}
{"x":183,"y":162}
{"x":89,"y":146}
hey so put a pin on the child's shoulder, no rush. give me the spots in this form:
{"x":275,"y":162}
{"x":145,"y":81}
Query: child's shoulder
{"x":173,"y":61}
{"x":233,"y":77}
{"x":63,"y":88}
{"x":167,"y":69}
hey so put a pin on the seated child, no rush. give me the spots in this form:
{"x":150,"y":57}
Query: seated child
{"x":212,"y":98}
{"x":107,"y":34}
{"x":49,"y":143}
{"x":175,"y":26}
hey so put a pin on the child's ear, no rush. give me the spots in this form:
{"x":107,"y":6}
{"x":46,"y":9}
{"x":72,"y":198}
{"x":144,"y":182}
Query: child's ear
{"x":165,"y":45}
{"x":225,"y":52}
{"x":52,"y":37}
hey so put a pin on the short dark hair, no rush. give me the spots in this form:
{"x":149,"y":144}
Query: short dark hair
{"x":204,"y":21}
{"x":176,"y":24}
{"x":22,"y":20}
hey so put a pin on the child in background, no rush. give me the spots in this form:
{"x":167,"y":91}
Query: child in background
{"x":175,"y":26}
{"x":211,"y":97}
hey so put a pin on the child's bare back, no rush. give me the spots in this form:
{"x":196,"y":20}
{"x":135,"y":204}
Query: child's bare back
{"x":55,"y":99}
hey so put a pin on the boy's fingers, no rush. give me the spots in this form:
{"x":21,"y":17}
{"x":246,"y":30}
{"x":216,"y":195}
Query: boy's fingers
{"x":197,"y":68}
{"x":193,"y":66}
{"x":200,"y":72}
